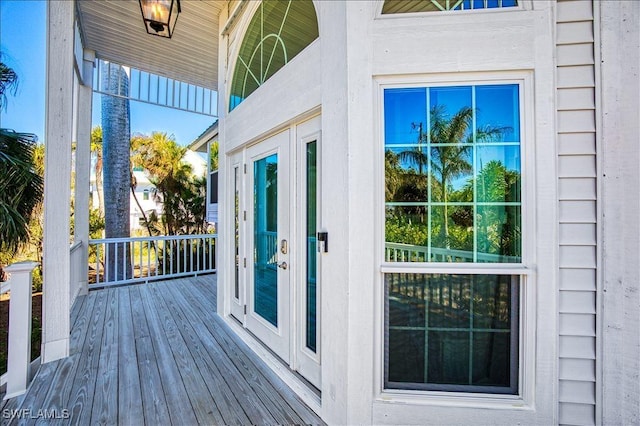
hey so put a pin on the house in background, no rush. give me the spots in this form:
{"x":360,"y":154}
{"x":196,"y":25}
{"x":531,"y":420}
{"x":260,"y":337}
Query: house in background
{"x":144,"y":191}
{"x":427,"y":209}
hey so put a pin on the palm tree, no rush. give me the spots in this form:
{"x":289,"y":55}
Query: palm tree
{"x":449,"y":159}
{"x":96,"y":150}
{"x":449,"y":152}
{"x":21,"y":183}
{"x":8,"y":82}
{"x":116,"y":135}
{"x":21,"y":188}
{"x":161,"y":156}
{"x":183,"y":196}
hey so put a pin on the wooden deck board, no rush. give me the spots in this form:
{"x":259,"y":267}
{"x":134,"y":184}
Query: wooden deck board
{"x":225,"y":401}
{"x":76,"y":308}
{"x":229,"y":340}
{"x":105,"y":404}
{"x":202,"y":404}
{"x":129,"y":394}
{"x":82,"y":391}
{"x":268,"y":386}
{"x":154,"y":403}
{"x":34,"y":399}
{"x":223,"y":369}
{"x":158,"y":354}
{"x":177,"y":401}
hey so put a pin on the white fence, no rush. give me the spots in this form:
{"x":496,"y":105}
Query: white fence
{"x":116,"y":261}
{"x":19,"y":336}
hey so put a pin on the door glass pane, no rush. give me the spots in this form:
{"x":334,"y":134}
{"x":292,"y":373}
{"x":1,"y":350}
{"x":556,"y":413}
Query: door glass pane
{"x":311,"y":245}
{"x":265,"y":193}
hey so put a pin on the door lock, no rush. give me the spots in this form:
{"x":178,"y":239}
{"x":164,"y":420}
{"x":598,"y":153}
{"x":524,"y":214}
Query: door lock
{"x":284,"y":247}
{"x":283,"y":265}
{"x":323,"y":242}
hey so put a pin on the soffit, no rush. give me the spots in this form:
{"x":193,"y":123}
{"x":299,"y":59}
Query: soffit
{"x":114,"y":29}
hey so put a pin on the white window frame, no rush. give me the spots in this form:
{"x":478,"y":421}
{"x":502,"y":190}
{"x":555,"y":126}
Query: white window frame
{"x":523,"y":399}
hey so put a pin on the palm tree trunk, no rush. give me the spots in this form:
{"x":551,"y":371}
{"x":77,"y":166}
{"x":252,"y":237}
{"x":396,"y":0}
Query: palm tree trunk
{"x":99,"y":185}
{"x":116,"y":136}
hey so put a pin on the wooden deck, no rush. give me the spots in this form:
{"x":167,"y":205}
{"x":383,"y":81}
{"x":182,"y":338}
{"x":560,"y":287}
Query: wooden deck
{"x":156,"y":354}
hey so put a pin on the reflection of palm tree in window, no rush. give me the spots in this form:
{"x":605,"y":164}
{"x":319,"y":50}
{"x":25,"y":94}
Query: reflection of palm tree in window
{"x":450,"y":153}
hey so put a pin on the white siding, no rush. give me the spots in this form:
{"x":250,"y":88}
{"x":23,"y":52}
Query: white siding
{"x":577,"y":193}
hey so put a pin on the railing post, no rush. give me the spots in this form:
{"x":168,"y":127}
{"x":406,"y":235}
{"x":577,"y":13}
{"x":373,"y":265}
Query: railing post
{"x":18,"y":359}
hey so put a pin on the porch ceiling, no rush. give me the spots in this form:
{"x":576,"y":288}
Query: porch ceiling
{"x":114,"y":29}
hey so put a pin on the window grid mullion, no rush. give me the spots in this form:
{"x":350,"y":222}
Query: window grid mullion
{"x":426,"y":330}
{"x":471,"y":290}
{"x":475,"y":177}
{"x":429,"y":173}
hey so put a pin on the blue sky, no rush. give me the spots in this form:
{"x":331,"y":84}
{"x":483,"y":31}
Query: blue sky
{"x":22,"y":42}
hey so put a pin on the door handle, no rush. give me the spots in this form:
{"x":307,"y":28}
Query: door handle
{"x":283,"y":265}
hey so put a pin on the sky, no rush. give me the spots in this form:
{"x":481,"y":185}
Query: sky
{"x":23,"y":47}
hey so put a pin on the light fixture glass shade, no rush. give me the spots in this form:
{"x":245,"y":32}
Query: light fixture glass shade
{"x":160,"y":16}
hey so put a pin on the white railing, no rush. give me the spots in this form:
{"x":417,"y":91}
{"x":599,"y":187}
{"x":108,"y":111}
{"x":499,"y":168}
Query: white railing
{"x":115,"y":261}
{"x":19,"y":335}
{"x":397,"y":252}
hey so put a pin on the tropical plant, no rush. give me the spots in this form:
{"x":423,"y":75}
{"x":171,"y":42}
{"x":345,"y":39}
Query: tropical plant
{"x":21,"y":188}
{"x":213,"y":156}
{"x":96,"y":152}
{"x":182,"y":195}
{"x":499,"y":228}
{"x":8,"y":82}
{"x":449,"y":155}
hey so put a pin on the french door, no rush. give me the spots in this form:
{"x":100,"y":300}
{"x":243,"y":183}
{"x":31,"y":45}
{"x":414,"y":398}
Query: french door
{"x":275,"y":285}
{"x":267,"y":225}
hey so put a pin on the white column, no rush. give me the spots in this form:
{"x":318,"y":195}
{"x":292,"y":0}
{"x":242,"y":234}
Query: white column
{"x":59,"y":133}
{"x":332,"y":19}
{"x":224,"y":226}
{"x":83,"y":170}
{"x":620,"y":155}
{"x":19,"y":353}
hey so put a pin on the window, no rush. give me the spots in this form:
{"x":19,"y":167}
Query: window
{"x":145,"y":195}
{"x":412,"y":6}
{"x":278,"y":31}
{"x":452,"y":196}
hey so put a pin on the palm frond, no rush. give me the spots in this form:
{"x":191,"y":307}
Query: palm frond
{"x":8,"y":83}
{"x":21,"y":187}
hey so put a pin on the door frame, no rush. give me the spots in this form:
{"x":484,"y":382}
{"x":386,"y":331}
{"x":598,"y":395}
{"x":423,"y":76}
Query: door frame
{"x":237,"y":161}
{"x":298,"y":135}
{"x":278,"y":337}
{"x":305,"y":361}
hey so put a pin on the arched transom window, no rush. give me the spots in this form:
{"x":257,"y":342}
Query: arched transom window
{"x":278,"y":31}
{"x":412,"y":6}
